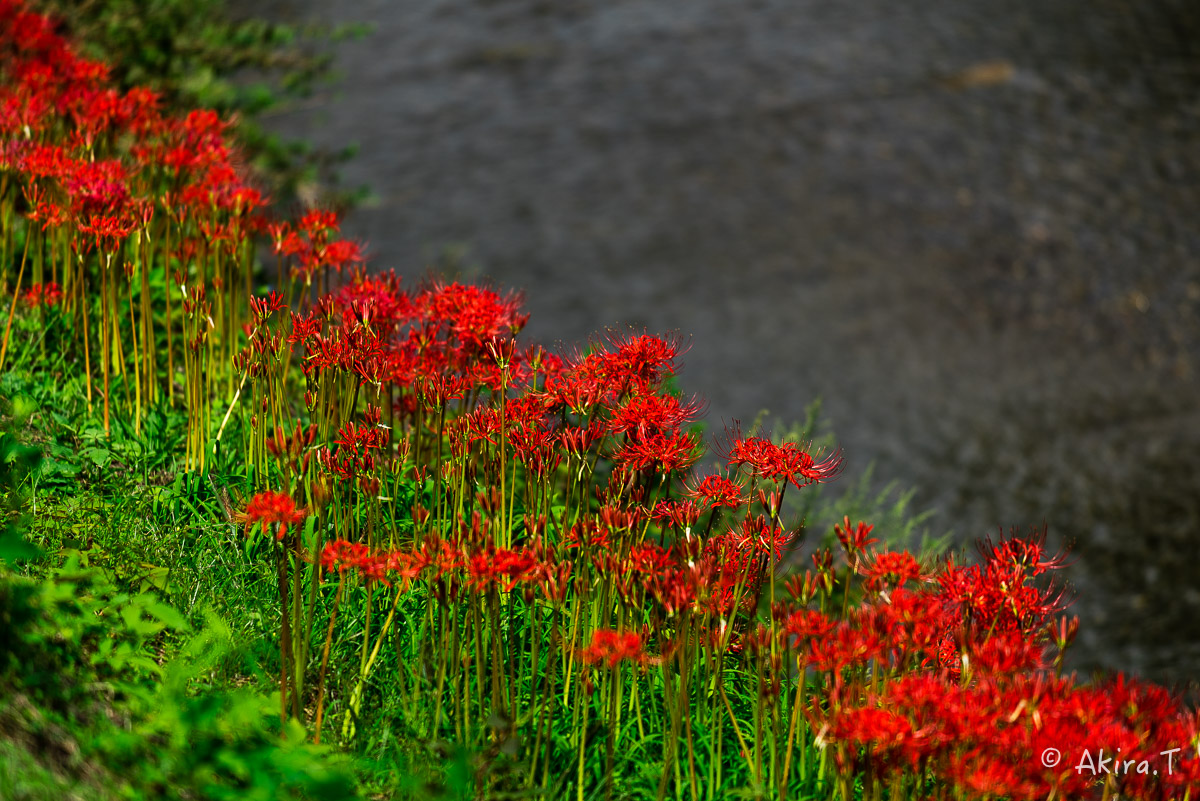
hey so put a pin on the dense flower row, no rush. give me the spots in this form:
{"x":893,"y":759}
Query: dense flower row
{"x":942,"y":673}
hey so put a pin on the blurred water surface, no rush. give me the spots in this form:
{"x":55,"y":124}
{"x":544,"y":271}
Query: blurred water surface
{"x":969,"y":227}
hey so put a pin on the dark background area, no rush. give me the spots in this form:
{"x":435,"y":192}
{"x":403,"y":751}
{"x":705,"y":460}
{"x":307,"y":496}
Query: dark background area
{"x":969,"y":227}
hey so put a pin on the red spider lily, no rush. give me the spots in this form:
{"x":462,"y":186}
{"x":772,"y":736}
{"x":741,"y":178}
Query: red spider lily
{"x":786,"y":462}
{"x":1064,"y":632}
{"x":97,"y":189}
{"x":219,"y":185}
{"x":765,"y":539}
{"x":998,"y":595}
{"x":644,"y":414}
{"x":574,"y":390}
{"x":303,"y":328}
{"x":319,"y":223}
{"x":290,"y":243}
{"x":481,"y":570}
{"x":681,"y":514}
{"x":973,"y":724}
{"x":641,"y":360}
{"x":587,"y":534}
{"x":974,"y":730}
{"x":669,"y":453}
{"x":357,"y":438}
{"x":717,"y":491}
{"x":444,"y":556}
{"x":294,"y":450}
{"x":45,"y":161}
{"x":499,"y":565}
{"x":530,"y":409}
{"x":802,"y":587}
{"x":42,"y":294}
{"x":347,"y":466}
{"x":626,"y":582}
{"x":378,"y":566}
{"x":982,"y":776}
{"x":649,"y":559}
{"x":494,"y":375}
{"x":890,"y":570}
{"x":29,"y":34}
{"x":822,"y":560}
{"x":946,"y":656}
{"x":621,"y":519}
{"x":1025,"y":554}
{"x":760,"y":640}
{"x":624,"y":364}
{"x":340,"y":254}
{"x":348,"y":349}
{"x":273,"y":507}
{"x":439,"y":389}
{"x":674,"y":589}
{"x":342,"y":555}
{"x":516,"y":566}
{"x":882,"y":730}
{"x":855,"y":540}
{"x":807,"y":624}
{"x":408,"y":565}
{"x":553,"y":579}
{"x":578,"y":440}
{"x":381,"y":298}
{"x":48,"y":215}
{"x":262,"y":308}
{"x":202,"y":132}
{"x":846,"y":646}
{"x":1003,"y":653}
{"x":732,"y":573}
{"x":94,"y":111}
{"x":107,"y":230}
{"x":611,"y":648}
{"x":315,"y":255}
{"x":534,"y":446}
{"x":25,"y":108}
{"x":912,"y":624}
{"x":472,"y":315}
{"x":984,"y":739}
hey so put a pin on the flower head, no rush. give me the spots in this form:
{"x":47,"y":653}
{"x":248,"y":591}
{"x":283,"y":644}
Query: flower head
{"x":612,"y":648}
{"x":786,"y":462}
{"x":273,"y":507}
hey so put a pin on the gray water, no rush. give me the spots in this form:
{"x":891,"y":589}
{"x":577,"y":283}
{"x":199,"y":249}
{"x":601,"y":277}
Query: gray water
{"x":970,"y":227}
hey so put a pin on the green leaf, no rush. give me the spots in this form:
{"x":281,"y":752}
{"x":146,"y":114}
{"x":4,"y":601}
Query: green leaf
{"x":167,"y":614}
{"x":14,"y":549}
{"x":156,"y":576}
{"x":100,"y":457}
{"x":310,"y":535}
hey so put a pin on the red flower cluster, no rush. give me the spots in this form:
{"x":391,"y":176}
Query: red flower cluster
{"x":273,"y":507}
{"x":57,"y":107}
{"x":611,"y":648}
{"x":42,"y":295}
{"x":717,"y":491}
{"x":312,"y":245}
{"x":783,"y":463}
{"x":889,"y":570}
